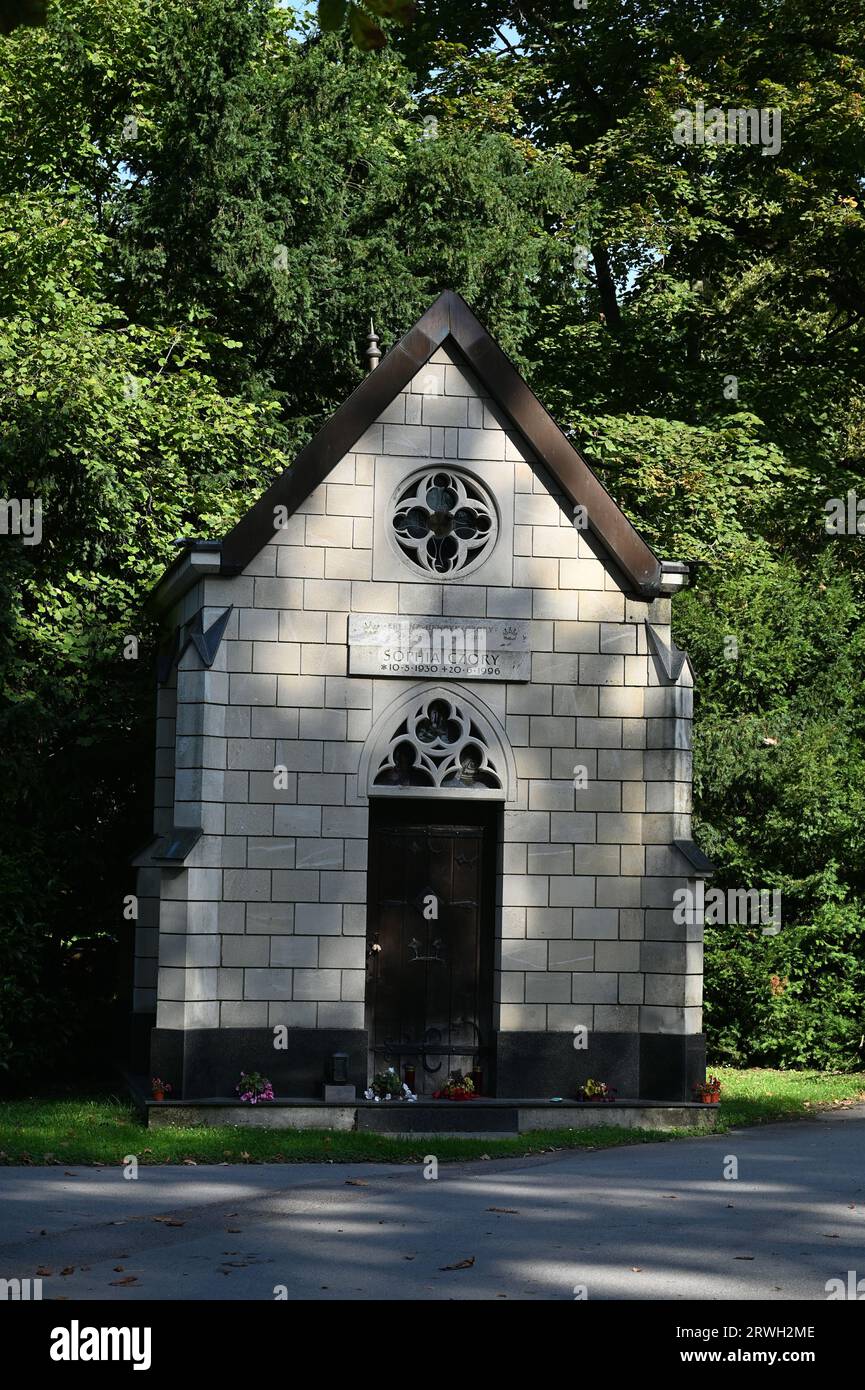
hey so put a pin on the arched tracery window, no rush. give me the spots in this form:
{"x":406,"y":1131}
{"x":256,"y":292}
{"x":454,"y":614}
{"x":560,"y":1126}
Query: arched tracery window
{"x":438,"y":745}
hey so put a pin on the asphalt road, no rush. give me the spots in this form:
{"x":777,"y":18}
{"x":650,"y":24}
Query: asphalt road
{"x":658,"y":1221}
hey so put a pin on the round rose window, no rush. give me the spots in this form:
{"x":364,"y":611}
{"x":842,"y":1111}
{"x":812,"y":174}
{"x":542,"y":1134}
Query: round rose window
{"x":444,"y":522}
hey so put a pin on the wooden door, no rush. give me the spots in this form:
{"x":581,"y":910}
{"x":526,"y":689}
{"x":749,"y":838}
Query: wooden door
{"x":429,"y":945}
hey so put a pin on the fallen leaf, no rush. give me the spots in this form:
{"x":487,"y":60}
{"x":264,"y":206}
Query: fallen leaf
{"x":121,"y":1283}
{"x":743,"y":1257}
{"x":118,"y":1269}
{"x":461,"y":1264}
{"x":233,"y":1231}
{"x":356,"y":1182}
{"x":70,"y":1269}
{"x":175,"y":1223}
{"x":190,"y":1163}
{"x":505,"y":1211}
{"x":636,"y":1269}
{"x":43,"y":1272}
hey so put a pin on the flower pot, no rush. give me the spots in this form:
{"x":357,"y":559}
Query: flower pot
{"x":159,"y":1095}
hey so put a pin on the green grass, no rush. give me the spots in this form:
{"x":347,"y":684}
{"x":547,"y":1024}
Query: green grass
{"x":105,"y":1129}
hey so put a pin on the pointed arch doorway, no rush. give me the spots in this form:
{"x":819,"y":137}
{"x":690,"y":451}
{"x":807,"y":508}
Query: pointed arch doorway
{"x":431,"y":938}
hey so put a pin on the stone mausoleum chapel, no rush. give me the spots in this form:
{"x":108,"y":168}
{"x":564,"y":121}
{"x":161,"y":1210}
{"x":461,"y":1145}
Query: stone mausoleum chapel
{"x":423,"y":776}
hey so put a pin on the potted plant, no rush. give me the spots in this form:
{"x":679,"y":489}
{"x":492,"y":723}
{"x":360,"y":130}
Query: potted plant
{"x":596,"y":1091}
{"x":708,"y":1091}
{"x":386,"y":1085}
{"x":457,"y":1087}
{"x":160,"y":1088}
{"x":254,"y":1088}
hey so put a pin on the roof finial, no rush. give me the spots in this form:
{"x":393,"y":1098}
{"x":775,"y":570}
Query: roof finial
{"x":373,"y":352}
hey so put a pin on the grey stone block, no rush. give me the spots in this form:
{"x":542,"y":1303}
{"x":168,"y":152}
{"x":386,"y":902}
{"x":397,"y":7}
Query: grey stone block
{"x":549,"y":859}
{"x":319,"y":854}
{"x":596,"y":923}
{"x":344,"y":887}
{"x":318,"y":918}
{"x":267,"y":984}
{"x":297,"y":821}
{"x":594,"y":988}
{"x":316,"y":984}
{"x":342,"y":952}
{"x":617,"y":1018}
{"x":548,"y":989}
{"x":547,"y":922}
{"x":246,"y":950}
{"x":340,"y":1015}
{"x":523,"y":955}
{"x":573,"y":891}
{"x":617,"y":955}
{"x":295,"y":885}
{"x":300,"y":951}
{"x":572,"y":956}
{"x":270,"y":918}
{"x":247,"y":885}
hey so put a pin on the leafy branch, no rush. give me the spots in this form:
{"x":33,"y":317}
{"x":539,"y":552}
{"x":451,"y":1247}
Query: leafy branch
{"x":366,"y":32}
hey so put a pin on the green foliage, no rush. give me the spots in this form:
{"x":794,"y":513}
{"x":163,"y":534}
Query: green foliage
{"x":779,"y":778}
{"x":366,"y":33}
{"x":791,"y":1000}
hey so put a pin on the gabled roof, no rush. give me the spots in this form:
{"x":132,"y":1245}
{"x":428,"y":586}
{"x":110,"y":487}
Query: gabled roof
{"x":449,"y":321}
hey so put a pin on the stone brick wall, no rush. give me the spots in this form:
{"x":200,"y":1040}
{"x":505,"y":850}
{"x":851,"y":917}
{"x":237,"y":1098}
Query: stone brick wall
{"x":266,"y":923}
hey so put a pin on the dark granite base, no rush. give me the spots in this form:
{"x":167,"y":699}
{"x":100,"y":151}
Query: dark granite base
{"x":670,"y":1065}
{"x":651,"y":1066}
{"x":207,"y":1062}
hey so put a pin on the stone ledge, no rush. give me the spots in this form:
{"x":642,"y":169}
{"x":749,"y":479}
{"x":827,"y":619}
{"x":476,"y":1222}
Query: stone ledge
{"x":485,"y":1117}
